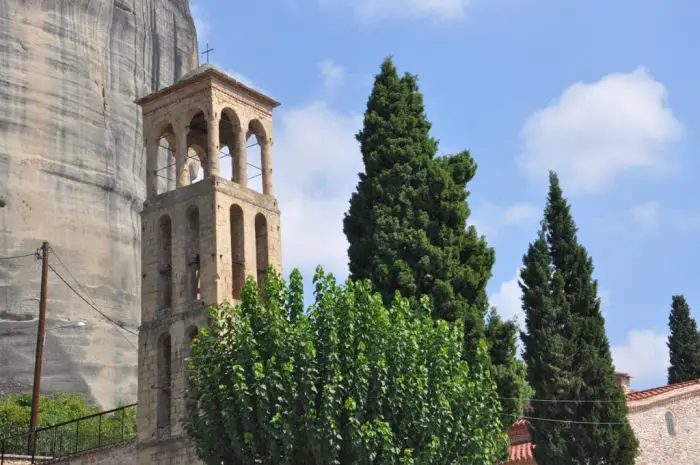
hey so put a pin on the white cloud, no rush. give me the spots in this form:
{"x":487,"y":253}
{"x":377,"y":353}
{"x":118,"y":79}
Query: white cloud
{"x":644,"y":356}
{"x":489,"y":218}
{"x":595,"y":131}
{"x":646,"y":215}
{"x":508,"y":301}
{"x":316,"y":159}
{"x":440,"y":10}
{"x":333,"y":75}
{"x":201,"y":24}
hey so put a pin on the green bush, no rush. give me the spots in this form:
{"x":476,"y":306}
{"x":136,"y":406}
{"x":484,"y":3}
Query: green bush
{"x":56,"y":409}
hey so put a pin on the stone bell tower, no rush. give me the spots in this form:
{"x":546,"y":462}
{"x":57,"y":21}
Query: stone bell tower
{"x":200,"y":240}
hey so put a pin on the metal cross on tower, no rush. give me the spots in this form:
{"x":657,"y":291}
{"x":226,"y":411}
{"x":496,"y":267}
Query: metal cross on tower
{"x":207,"y":52}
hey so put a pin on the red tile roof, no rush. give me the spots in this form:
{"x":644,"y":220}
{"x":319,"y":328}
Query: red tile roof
{"x":519,"y":427}
{"x":520,"y":453}
{"x":647,"y":393}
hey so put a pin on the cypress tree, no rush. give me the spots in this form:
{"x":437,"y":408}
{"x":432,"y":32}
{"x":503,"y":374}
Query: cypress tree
{"x":683,"y":343}
{"x":406,"y":224}
{"x":567,"y":350}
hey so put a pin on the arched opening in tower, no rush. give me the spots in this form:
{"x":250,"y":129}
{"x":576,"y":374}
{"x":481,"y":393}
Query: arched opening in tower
{"x":192,"y":254}
{"x":261,"y":248}
{"x":231,"y":145}
{"x":237,"y":252}
{"x":164,"y":385}
{"x":165,"y":257}
{"x":256,"y":138}
{"x":197,"y":144}
{"x":166,"y":177}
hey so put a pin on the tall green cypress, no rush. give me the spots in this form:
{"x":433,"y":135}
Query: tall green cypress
{"x":406,"y":224}
{"x":567,"y":350}
{"x":683,"y":343}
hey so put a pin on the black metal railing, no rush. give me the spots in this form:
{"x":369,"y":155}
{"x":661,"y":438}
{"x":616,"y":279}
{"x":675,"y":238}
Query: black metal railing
{"x":72,"y":437}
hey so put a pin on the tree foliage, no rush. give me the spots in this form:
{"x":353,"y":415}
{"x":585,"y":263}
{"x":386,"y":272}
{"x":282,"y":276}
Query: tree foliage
{"x":508,"y":372}
{"x":683,"y":343}
{"x":567,"y":351}
{"x":351,"y":381}
{"x":15,"y":410}
{"x":57,"y":408}
{"x":406,"y":224}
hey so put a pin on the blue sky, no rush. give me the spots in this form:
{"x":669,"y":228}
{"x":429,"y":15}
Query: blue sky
{"x":606,"y":93}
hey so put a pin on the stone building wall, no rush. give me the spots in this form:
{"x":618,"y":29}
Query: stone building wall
{"x":658,"y":445}
{"x":121,"y":454}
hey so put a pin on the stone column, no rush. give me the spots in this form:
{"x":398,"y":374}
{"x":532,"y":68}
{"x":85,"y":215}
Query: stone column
{"x":266,"y":162}
{"x":151,"y":166}
{"x":183,"y":177}
{"x":239,"y":158}
{"x":213,"y":168}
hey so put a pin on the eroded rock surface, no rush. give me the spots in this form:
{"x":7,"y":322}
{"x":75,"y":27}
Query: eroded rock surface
{"x":72,"y":171}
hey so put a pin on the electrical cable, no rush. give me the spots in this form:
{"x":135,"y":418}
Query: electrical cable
{"x":573,"y":422}
{"x":90,"y":304}
{"x":116,"y":325}
{"x":563,"y":401}
{"x":71,"y":275}
{"x":13,"y":257}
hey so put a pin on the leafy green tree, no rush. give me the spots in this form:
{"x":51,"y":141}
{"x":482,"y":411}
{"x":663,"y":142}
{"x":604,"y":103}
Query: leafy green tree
{"x":567,"y":351}
{"x":406,"y":223}
{"x":57,"y":408}
{"x":351,"y":381}
{"x":508,"y":372}
{"x":683,"y":343}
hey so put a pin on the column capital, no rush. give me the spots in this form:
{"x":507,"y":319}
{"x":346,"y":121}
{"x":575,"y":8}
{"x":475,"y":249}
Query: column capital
{"x":182,"y":125}
{"x":212,"y":116}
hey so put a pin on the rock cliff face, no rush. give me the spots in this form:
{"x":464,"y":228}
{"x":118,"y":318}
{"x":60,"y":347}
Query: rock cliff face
{"x":72,"y":171}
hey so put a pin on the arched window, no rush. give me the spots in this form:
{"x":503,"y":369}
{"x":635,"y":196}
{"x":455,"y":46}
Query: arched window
{"x":261,"y":251}
{"x":164,"y":385}
{"x":165,"y":249}
{"x":196,"y":158}
{"x":237,"y":252}
{"x":256,"y":140}
{"x":164,"y":164}
{"x":670,"y":425}
{"x":232,"y":141}
{"x":192,"y":254}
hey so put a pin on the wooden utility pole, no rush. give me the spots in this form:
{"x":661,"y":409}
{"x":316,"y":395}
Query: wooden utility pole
{"x":39,"y":347}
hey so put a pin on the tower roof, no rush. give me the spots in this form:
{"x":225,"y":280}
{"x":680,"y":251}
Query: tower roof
{"x":201,"y":72}
{"x":202,"y":69}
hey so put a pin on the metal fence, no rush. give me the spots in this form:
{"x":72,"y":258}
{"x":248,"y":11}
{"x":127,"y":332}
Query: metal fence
{"x":80,"y":435}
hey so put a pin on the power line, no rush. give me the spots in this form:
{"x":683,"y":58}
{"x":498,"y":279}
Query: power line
{"x":563,"y":401}
{"x":82,"y":288}
{"x":33,"y":254}
{"x":71,"y":275}
{"x":116,"y":325}
{"x":573,"y":422}
{"x":90,"y":304}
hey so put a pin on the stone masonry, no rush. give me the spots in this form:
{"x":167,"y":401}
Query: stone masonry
{"x":199,"y":241}
{"x":665,"y":421}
